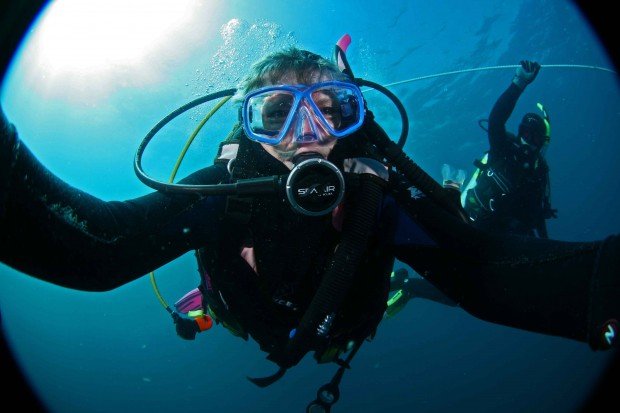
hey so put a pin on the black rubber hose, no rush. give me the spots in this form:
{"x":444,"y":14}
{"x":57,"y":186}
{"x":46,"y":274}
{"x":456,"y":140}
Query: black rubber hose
{"x":399,"y":106}
{"x":166,"y":187}
{"x":357,"y":226}
{"x":412,"y":171}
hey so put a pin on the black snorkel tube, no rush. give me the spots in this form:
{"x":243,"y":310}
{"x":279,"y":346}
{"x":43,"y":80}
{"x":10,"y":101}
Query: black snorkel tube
{"x":412,"y":171}
{"x":393,"y":152}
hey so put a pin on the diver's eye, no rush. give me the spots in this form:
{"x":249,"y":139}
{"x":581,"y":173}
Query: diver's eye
{"x":331,"y":115}
{"x":329,"y":111}
{"x":275,"y":114}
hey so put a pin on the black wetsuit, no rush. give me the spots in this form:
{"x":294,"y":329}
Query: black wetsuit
{"x":512,"y":190}
{"x":62,"y":235}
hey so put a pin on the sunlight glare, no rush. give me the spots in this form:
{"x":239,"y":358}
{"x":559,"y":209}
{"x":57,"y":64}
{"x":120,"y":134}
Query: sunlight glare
{"x":88,"y":46}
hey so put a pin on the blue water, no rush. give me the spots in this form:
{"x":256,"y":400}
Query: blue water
{"x":118,"y":351}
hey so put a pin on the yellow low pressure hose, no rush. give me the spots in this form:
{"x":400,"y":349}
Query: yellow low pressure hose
{"x":188,"y":143}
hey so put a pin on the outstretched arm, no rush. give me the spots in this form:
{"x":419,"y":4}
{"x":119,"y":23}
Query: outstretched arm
{"x":566,"y":289}
{"x":416,"y":287}
{"x":60,"y":234}
{"x":505,"y":104}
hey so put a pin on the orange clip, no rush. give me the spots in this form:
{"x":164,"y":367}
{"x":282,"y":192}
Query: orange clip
{"x":204,"y":322}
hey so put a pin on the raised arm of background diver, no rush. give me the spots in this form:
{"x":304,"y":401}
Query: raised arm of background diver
{"x":566,"y":289}
{"x":65,"y":236}
{"x":501,"y":111}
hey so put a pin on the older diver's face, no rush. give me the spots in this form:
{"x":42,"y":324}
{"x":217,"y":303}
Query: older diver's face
{"x":306,"y":134}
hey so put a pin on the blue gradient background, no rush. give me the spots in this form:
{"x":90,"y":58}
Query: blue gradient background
{"x":118,"y":351}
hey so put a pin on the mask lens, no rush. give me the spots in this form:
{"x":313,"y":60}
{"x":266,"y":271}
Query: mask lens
{"x":338,"y":107}
{"x":268,"y":112}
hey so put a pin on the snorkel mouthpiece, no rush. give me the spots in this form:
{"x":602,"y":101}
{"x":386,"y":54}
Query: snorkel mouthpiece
{"x":315,"y":186}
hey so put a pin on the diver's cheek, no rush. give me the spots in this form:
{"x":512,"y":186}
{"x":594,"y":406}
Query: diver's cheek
{"x":328,"y":143}
{"x":280,"y":153}
{"x":325,"y":147}
{"x":323,"y":136}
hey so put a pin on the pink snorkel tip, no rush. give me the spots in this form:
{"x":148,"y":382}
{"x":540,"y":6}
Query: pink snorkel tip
{"x":344,"y":42}
{"x":340,"y":54}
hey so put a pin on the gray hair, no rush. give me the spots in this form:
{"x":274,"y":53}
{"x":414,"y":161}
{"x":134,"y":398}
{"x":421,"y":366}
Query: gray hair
{"x":270,"y":69}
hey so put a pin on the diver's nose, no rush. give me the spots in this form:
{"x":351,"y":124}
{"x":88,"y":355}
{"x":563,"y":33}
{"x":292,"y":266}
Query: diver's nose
{"x":306,"y":129}
{"x":306,"y":124}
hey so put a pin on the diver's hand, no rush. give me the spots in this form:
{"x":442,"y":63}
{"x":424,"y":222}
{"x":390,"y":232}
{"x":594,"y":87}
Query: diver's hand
{"x":526,"y":73}
{"x":186,"y":327}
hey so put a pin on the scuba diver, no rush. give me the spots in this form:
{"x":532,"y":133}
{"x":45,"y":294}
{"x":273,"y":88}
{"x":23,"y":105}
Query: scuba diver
{"x":510,"y":190}
{"x":296,"y":227}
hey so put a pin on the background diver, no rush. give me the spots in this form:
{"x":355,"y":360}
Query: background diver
{"x":510,"y":191}
{"x":299,"y":274}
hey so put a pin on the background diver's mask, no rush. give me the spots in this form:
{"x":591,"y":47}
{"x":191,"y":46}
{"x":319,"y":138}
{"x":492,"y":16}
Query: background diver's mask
{"x":326,"y":109}
{"x":532,"y":131}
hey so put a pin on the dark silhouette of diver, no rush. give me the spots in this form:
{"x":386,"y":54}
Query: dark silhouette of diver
{"x":510,"y":190}
{"x":508,"y":193}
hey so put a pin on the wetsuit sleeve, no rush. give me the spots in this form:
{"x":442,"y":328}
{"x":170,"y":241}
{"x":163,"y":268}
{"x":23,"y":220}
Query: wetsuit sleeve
{"x":60,"y":234}
{"x":498,"y":117}
{"x":566,"y":289}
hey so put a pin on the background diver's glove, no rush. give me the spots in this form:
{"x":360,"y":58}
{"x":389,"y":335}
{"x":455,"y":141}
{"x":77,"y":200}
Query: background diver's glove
{"x":526,"y":73}
{"x":186,"y":327}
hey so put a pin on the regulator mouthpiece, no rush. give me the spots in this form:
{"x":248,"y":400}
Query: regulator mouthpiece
{"x":315,"y":186}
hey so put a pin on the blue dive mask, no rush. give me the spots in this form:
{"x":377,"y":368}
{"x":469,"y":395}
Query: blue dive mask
{"x":326,"y":109}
